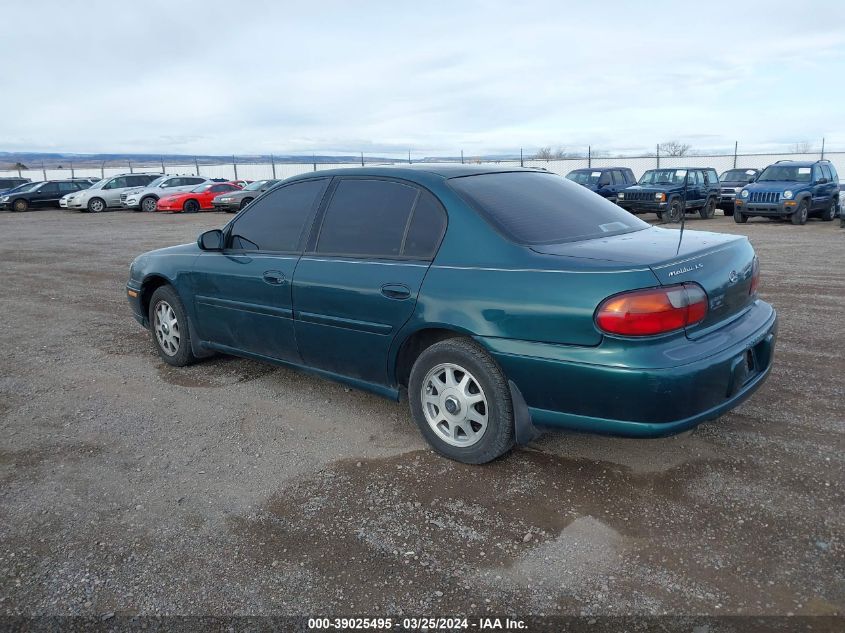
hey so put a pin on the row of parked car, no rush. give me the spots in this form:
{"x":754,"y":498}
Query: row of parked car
{"x":794,"y":190}
{"x":138,"y":192}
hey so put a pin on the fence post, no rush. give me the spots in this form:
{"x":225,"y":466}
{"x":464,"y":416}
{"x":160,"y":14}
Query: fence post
{"x":362,"y":159}
{"x":130,"y":167}
{"x":103,"y":169}
{"x":589,"y":155}
{"x":521,"y":160}
{"x":19,"y":169}
{"x":43,"y":171}
{"x":658,"y":156}
{"x":736,"y":145}
{"x":822,"y":148}
{"x":162,"y":164}
{"x":462,"y":157}
{"x":197,"y":165}
{"x":273,"y":165}
{"x":73,"y":173}
{"x":314,"y":158}
{"x":235,"y":165}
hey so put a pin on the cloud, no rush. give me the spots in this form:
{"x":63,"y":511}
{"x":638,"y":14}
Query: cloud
{"x":262,"y":77}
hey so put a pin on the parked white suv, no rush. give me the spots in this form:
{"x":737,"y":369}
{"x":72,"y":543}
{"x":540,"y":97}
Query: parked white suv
{"x":146,"y":198}
{"x":106,"y":193}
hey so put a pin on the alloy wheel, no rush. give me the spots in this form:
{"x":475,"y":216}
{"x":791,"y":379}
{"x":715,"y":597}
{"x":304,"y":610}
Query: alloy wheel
{"x":166,"y":328}
{"x":454,"y":405}
{"x":149,"y":205}
{"x":96,"y":205}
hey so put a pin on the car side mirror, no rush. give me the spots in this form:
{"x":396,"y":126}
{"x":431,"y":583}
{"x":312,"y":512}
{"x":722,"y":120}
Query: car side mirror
{"x":822,"y":181}
{"x":211,"y":240}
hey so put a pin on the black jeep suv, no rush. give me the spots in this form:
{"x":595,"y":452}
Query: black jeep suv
{"x":605,"y":181}
{"x":732,"y":182}
{"x":791,"y":189}
{"x":669,"y":192}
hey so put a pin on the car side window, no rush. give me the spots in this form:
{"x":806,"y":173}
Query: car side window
{"x":275,"y":222}
{"x":193,"y":181}
{"x":367,"y":218}
{"x":618,"y":177}
{"x":117,"y":183}
{"x":629,"y":175}
{"x":426,"y":228}
{"x":65,"y":187}
{"x":826,"y":172}
{"x":712,"y":177}
{"x":222,"y":188}
{"x":833,"y":173}
{"x":173,"y":182}
{"x":50,"y":187}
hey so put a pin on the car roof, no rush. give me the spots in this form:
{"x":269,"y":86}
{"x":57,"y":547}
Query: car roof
{"x":448,"y":170}
{"x":598,"y":168}
{"x":800,"y":163}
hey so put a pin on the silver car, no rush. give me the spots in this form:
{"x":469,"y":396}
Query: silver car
{"x":146,"y":198}
{"x":105,"y":193}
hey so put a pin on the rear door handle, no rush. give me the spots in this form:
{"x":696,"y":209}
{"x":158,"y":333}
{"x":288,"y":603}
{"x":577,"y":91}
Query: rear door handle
{"x":395,"y":291}
{"x":274,"y":277}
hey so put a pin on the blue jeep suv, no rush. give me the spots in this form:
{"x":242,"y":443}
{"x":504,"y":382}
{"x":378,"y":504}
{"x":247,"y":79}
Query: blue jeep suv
{"x":605,"y":181}
{"x":791,"y":189}
{"x":673,"y":191}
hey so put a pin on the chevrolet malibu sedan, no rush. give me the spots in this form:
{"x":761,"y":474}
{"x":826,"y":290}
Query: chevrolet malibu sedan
{"x":499,"y":301}
{"x":197,"y":199}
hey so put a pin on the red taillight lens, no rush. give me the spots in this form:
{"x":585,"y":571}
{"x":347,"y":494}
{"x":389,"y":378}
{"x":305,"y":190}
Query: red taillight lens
{"x":653,"y":311}
{"x":755,"y":277}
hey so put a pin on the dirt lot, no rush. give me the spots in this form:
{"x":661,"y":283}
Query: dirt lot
{"x":232,"y":487}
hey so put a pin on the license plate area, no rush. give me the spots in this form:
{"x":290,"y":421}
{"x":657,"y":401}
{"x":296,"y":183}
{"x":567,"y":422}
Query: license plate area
{"x":747,"y":365}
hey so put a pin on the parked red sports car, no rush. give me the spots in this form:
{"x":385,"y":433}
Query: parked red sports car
{"x":198,"y":198}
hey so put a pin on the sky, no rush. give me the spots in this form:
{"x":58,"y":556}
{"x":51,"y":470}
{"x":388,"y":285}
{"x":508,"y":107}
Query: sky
{"x":433,"y":77}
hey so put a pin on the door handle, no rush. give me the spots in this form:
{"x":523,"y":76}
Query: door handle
{"x":396,"y":291}
{"x":274,"y":277}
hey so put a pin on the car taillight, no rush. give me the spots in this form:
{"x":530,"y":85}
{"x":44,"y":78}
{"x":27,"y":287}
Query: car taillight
{"x":755,"y":277}
{"x":652,"y":311}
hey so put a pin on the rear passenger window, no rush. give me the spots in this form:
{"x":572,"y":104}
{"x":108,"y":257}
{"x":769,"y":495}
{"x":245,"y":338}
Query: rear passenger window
{"x":274,"y":222}
{"x":428,"y":224}
{"x":367,"y":218}
{"x":618,"y":177}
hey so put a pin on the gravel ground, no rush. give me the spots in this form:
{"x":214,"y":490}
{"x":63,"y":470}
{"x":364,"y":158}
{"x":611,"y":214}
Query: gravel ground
{"x":233,"y":487}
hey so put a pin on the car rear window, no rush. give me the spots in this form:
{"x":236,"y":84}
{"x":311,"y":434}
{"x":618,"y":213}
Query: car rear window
{"x":540,"y":208}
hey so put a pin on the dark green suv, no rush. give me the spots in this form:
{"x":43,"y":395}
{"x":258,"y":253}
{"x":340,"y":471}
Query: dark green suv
{"x":668,"y":191}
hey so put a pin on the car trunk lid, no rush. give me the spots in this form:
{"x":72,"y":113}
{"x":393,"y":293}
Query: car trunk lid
{"x":721,"y":264}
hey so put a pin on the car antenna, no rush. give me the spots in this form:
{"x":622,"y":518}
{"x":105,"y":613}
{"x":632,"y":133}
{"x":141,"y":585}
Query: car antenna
{"x":683,"y":212}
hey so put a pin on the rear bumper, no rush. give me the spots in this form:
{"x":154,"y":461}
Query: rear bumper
{"x":643,"y":396}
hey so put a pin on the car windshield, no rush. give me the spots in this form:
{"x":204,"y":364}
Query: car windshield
{"x":25,"y":187}
{"x":584,"y":177}
{"x":789,"y":173}
{"x":541,"y":208}
{"x":99,"y":184}
{"x":663,"y":177}
{"x":258,"y":184}
{"x":202,"y":188}
{"x":737,"y":174}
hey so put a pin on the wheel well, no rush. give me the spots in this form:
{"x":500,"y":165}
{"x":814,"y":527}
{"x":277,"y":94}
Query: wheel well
{"x":190,"y":200}
{"x":148,"y":196}
{"x":414,"y":345}
{"x":150,"y":285}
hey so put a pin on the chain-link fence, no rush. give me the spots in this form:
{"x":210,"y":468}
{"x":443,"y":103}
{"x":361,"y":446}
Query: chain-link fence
{"x":258,"y":169}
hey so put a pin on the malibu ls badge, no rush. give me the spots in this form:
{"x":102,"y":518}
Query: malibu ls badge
{"x":685,"y":269}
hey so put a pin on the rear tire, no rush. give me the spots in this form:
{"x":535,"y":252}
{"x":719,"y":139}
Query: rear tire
{"x":96,"y":205}
{"x":169,"y":327}
{"x":799,"y":217}
{"x":708,"y":210}
{"x":191,"y":206}
{"x":148,"y":204}
{"x":20,"y":205}
{"x":829,"y":213}
{"x":461,"y":402}
{"x":740,"y":218}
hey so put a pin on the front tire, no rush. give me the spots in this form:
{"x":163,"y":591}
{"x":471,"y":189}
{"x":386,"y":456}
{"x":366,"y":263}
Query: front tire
{"x":148,"y":204}
{"x":191,"y":206}
{"x":20,"y":205}
{"x":461,"y":402}
{"x":829,"y":213}
{"x":96,"y":205}
{"x":169,"y":327}
{"x":675,"y":211}
{"x":245,"y":202}
{"x":740,"y":218}
{"x":799,"y":217}
{"x":708,"y":210}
